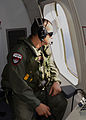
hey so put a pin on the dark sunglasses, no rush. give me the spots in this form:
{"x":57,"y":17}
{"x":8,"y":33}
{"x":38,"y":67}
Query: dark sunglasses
{"x":50,"y":34}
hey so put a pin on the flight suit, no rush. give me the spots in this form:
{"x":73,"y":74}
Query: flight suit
{"x":27,"y":73}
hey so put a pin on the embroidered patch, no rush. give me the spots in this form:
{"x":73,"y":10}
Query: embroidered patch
{"x":16,"y":58}
{"x":26,"y":77}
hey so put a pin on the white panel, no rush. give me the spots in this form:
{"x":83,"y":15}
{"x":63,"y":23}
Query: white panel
{"x":81,"y":9}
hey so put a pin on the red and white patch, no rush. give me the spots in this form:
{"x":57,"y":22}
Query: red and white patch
{"x":16,"y":58}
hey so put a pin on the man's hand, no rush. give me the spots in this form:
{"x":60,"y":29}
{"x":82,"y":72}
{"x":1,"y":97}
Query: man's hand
{"x":55,"y":89}
{"x":43,"y":109}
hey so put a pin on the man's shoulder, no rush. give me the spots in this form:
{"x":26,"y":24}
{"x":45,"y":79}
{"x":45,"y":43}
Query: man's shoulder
{"x":19,"y":50}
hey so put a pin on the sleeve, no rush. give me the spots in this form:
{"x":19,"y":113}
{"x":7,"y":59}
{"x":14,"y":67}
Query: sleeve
{"x":54,"y":72}
{"x":17,"y":64}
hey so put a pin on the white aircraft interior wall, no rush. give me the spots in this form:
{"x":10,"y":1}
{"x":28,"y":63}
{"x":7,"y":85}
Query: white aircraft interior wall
{"x":13,"y":14}
{"x":81,"y":10}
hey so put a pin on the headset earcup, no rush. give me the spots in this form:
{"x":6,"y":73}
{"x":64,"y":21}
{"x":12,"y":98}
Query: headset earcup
{"x":42,"y":33}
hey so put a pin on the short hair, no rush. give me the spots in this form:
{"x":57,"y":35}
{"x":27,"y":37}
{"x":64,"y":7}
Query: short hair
{"x":35,"y":27}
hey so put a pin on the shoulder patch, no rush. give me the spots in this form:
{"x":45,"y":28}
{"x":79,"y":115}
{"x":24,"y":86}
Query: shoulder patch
{"x":16,"y":58}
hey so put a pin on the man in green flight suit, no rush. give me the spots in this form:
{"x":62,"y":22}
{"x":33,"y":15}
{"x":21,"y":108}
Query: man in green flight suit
{"x":32,"y":77}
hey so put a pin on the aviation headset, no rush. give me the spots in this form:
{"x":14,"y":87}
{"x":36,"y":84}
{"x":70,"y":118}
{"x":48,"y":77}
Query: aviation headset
{"x":42,"y":32}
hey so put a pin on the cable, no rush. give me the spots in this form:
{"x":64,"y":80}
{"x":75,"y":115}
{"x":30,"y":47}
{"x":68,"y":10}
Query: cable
{"x":77,"y":91}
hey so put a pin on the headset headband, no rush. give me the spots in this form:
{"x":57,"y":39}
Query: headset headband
{"x":42,"y":32}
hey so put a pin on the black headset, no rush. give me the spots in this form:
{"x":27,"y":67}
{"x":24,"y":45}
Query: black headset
{"x":42,"y":32}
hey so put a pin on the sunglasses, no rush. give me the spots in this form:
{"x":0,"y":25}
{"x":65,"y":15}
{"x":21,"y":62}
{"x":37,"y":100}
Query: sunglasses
{"x":50,"y":34}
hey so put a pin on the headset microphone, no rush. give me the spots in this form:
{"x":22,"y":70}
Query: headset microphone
{"x":51,"y":43}
{"x":47,"y":43}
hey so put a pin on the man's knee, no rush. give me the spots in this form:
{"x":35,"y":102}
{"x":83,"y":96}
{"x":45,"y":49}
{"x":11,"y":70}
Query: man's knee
{"x":62,"y":99}
{"x":58,"y":105}
{"x":57,"y":99}
{"x":58,"y":102}
{"x":61,"y":102}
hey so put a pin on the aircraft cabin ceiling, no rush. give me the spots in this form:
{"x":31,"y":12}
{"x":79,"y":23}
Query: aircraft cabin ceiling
{"x":32,"y":7}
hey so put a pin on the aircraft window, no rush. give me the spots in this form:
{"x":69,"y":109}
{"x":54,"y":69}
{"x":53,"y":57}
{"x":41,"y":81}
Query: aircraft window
{"x":62,"y":46}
